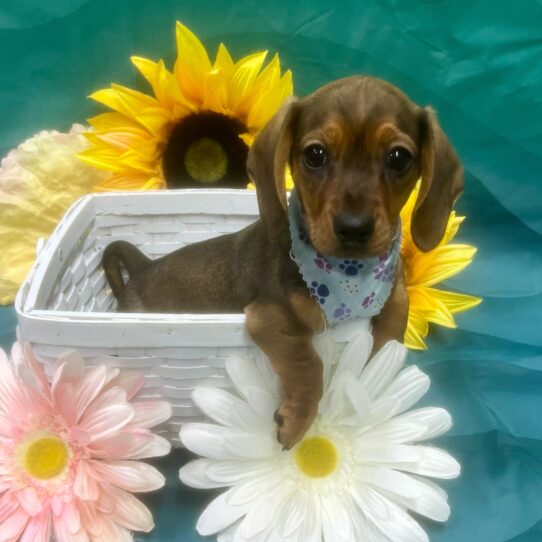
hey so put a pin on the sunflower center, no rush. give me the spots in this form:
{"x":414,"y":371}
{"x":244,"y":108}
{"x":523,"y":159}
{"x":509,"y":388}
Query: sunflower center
{"x":205,"y":148}
{"x":45,"y":457}
{"x":206,"y":160}
{"x":317,"y":457}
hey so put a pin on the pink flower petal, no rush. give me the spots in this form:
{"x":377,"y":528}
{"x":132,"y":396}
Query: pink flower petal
{"x":110,"y":396}
{"x":106,"y":421}
{"x":131,"y":446}
{"x":63,"y":534}
{"x":57,"y":505}
{"x":39,"y":398}
{"x":129,"y":475}
{"x":31,"y":503}
{"x":70,"y":368}
{"x":150,"y":413}
{"x":78,"y":435}
{"x":8,"y":505}
{"x":13,"y":526}
{"x":130,"y":512}
{"x":89,"y":388}
{"x":37,"y":368}
{"x":131,"y":383}
{"x":38,"y":529}
{"x":91,"y":520}
{"x":106,"y":503}
{"x":71,"y":517}
{"x":64,"y":398}
{"x":112,"y":533}
{"x":85,"y":486}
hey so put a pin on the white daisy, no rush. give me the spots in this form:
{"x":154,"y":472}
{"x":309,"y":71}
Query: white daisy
{"x":353,"y":477}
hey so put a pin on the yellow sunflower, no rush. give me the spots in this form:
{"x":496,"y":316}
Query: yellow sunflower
{"x":195,"y":129}
{"x":424,"y":270}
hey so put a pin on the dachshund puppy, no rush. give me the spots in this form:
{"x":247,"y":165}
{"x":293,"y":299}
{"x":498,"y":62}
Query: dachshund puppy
{"x":356,"y":148}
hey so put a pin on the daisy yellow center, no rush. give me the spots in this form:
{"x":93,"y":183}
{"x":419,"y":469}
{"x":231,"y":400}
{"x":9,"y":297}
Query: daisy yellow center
{"x":45,"y":457}
{"x":317,"y":457}
{"x":206,"y":160}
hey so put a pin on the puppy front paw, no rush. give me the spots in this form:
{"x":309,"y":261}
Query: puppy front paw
{"x":293,"y":420}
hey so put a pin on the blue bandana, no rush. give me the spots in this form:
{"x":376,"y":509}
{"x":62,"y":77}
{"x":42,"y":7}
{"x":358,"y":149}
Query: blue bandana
{"x":344,"y":288}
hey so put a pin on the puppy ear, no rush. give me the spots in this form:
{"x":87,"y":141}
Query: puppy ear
{"x":266,"y":164}
{"x":442,"y":184}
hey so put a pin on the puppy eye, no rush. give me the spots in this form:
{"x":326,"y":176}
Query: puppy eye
{"x":398,"y":159}
{"x":315,"y":156}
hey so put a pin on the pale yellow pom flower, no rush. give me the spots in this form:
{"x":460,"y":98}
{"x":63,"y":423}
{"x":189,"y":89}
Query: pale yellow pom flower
{"x":39,"y":180}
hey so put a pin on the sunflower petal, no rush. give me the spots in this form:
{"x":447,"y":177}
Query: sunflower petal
{"x":454,"y":302}
{"x":193,"y":65}
{"x":244,"y":74}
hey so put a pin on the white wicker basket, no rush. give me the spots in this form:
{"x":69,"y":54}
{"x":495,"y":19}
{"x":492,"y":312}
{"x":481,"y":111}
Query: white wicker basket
{"x":65,"y":302}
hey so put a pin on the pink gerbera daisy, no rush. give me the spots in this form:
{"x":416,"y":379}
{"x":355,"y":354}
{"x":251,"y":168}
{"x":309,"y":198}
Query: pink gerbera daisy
{"x":68,"y":451}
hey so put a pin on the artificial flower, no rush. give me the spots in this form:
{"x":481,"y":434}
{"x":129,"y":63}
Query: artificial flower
{"x":39,"y":180}
{"x":195,"y":129}
{"x":423,"y":270}
{"x":70,"y":451}
{"x":355,"y":475}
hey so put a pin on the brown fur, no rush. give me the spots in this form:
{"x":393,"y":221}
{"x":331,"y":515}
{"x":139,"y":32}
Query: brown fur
{"x":357,"y":120}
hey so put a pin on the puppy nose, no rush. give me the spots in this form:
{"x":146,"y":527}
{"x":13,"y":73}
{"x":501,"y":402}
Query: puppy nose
{"x":352,"y":228}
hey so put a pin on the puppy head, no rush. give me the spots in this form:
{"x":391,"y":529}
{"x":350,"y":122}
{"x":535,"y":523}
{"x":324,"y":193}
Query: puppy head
{"x":356,"y":148}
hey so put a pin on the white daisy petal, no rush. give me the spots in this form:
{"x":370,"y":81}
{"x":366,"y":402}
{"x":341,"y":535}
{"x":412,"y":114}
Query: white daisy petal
{"x":386,"y":454}
{"x":365,"y":530}
{"x":250,"y":383}
{"x":334,"y":403}
{"x":336,"y":521}
{"x":388,"y":517}
{"x":263,"y":364}
{"x":325,"y":349}
{"x":383,"y":367}
{"x":431,"y":502}
{"x":435,"y":421}
{"x":431,"y":484}
{"x":392,"y":432}
{"x":311,"y":529}
{"x":251,"y":489}
{"x":265,"y":511}
{"x":292,"y":515}
{"x":355,"y":354}
{"x":228,"y":534}
{"x":423,"y":460}
{"x":434,"y":463}
{"x":218,"y":442}
{"x":226,"y":409}
{"x":219,"y":514}
{"x":391,"y":481}
{"x":406,"y":389}
{"x":210,"y":473}
{"x":359,"y":398}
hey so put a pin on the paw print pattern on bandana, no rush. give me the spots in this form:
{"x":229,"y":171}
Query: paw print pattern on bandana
{"x":383,"y":271}
{"x":322,"y":263}
{"x":368,"y":300}
{"x":351,"y":267}
{"x":342,"y":312}
{"x":319,"y":292}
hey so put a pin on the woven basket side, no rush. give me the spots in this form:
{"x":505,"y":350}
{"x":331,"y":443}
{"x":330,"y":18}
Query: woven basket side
{"x":82,"y":285}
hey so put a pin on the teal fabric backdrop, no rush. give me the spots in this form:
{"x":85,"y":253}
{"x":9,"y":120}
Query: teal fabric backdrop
{"x":479,"y":64}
